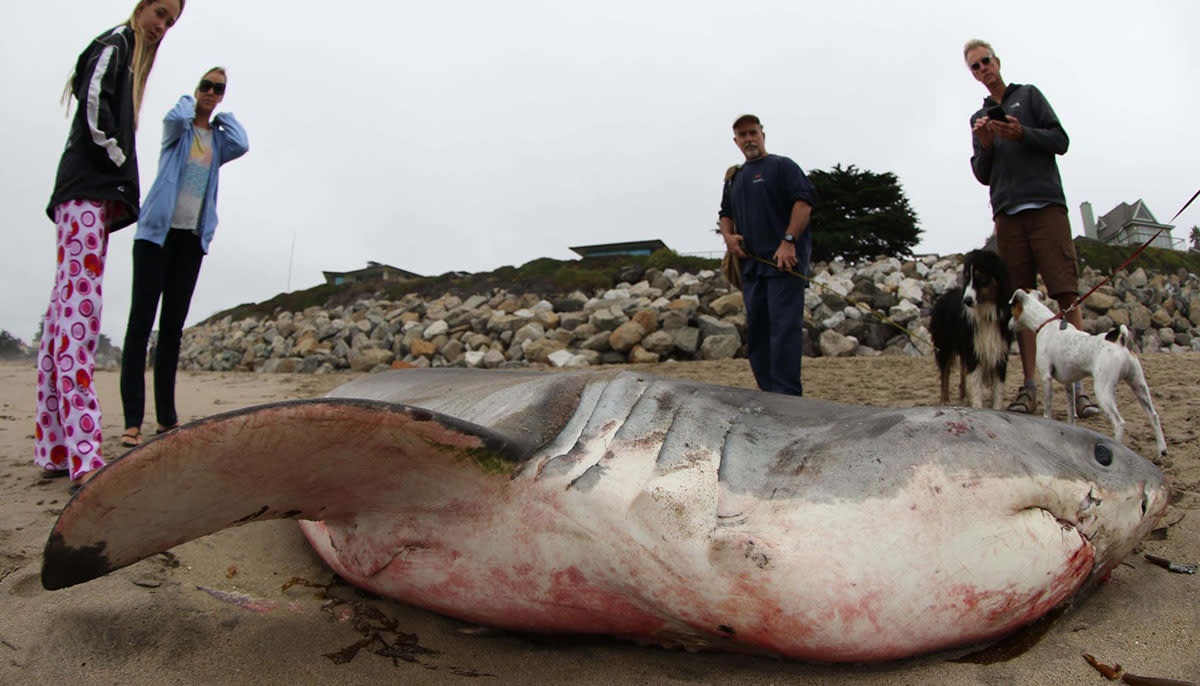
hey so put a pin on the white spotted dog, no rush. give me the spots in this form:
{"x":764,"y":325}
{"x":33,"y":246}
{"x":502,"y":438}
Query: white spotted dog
{"x":971,"y":324}
{"x":1067,"y":354}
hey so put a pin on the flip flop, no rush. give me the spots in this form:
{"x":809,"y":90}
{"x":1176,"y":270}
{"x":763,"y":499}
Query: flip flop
{"x":55,"y":473}
{"x":166,"y":429}
{"x":131,"y":440}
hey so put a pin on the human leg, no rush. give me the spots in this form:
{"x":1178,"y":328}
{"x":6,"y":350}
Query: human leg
{"x":758,"y":329}
{"x":68,"y":430}
{"x":786,"y":313}
{"x":49,"y":451}
{"x":1026,"y":400}
{"x":1053,"y":251}
{"x":183,"y":258}
{"x":1012,"y":244}
{"x":149,"y":270}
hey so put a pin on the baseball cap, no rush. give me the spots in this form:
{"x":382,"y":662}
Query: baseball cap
{"x":747,"y":119}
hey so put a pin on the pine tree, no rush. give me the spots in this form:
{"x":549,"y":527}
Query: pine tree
{"x":860,"y":214}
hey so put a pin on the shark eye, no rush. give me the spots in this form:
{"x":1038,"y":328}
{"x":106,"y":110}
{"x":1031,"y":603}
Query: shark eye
{"x":1103,"y":454}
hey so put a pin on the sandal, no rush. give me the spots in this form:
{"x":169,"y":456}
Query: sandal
{"x":1084,"y":407}
{"x":1025,"y":402}
{"x":165,"y":429}
{"x":132,"y":437}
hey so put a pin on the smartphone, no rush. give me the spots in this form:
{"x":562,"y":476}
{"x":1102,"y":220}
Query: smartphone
{"x":996,"y":113}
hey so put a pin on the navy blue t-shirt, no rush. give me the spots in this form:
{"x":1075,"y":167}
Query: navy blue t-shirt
{"x":759,"y":201}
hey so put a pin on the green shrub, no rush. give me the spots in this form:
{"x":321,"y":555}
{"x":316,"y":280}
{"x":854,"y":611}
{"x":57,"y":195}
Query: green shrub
{"x":669,"y":259}
{"x":1105,"y":258}
{"x":544,"y":275}
{"x":13,"y":348}
{"x":568,"y":279}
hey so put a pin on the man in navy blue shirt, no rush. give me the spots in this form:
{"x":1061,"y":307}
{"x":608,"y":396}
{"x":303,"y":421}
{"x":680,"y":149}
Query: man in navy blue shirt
{"x":765,"y":212}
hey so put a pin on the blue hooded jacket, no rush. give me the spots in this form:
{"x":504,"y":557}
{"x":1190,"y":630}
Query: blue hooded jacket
{"x":229,"y":143}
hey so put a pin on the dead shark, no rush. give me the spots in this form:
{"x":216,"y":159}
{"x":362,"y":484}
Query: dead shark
{"x":669,"y":512}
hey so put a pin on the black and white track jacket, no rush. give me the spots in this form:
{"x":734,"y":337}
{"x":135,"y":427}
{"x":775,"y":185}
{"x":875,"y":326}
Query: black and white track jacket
{"x":99,"y":162}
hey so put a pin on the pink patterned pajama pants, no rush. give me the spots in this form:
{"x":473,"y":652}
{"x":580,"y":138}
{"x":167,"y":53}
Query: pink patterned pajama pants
{"x":68,"y":433}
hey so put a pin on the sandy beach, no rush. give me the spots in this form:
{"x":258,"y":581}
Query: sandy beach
{"x":214,"y":611}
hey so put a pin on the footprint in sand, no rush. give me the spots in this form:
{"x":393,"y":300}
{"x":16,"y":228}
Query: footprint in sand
{"x":27,"y":584}
{"x":153,"y":572}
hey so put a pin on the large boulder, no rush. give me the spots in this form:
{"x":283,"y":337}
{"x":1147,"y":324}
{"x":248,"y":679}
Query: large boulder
{"x":659,"y":343}
{"x":626,"y":336}
{"x":648,"y":319}
{"x":640,"y":355}
{"x":686,"y":339}
{"x":423,"y":348}
{"x":834,"y":344}
{"x":605,"y":320}
{"x":540,"y":351}
{"x":1140,"y":317}
{"x":727,"y":304}
{"x":367,"y":358}
{"x":720,"y":347}
{"x":711,"y":326}
{"x":1101,"y":302}
{"x":530,"y":332}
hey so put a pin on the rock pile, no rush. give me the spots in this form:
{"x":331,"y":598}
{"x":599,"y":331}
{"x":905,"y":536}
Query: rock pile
{"x":655,"y":316}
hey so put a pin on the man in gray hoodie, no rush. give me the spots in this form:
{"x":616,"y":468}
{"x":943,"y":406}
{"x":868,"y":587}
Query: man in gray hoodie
{"x":1016,"y":136}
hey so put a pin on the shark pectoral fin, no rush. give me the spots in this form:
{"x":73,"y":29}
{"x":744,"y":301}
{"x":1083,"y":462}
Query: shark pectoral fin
{"x":306,"y":459}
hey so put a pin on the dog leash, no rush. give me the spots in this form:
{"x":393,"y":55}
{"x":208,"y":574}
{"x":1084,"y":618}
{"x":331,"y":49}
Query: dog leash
{"x":861,"y":306}
{"x":1080,"y":299}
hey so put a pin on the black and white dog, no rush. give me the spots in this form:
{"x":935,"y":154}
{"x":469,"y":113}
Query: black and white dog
{"x":971,"y":324}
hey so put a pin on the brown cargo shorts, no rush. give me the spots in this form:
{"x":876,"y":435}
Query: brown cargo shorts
{"x":1036,"y":242}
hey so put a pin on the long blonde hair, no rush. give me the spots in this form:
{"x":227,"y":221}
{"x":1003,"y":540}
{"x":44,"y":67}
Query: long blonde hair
{"x":143,"y":56}
{"x":143,"y":62}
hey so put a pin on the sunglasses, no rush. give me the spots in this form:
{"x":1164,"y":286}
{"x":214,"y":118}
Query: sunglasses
{"x":219,"y":88}
{"x":975,"y":66}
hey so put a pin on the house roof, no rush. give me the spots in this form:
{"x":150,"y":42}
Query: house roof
{"x":1125,"y":213}
{"x":376,"y":266}
{"x":626,"y":248}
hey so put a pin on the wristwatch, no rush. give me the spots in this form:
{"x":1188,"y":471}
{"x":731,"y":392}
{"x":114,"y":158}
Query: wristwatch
{"x":789,"y":238}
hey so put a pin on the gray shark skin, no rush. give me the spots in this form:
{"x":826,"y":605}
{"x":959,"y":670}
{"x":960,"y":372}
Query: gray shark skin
{"x":669,"y":512}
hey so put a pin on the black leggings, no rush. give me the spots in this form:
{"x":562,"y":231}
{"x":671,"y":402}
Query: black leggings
{"x":169,"y":271}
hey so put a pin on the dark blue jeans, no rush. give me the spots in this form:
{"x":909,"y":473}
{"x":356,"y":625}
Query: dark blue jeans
{"x":775,"y":331}
{"x":169,"y":271}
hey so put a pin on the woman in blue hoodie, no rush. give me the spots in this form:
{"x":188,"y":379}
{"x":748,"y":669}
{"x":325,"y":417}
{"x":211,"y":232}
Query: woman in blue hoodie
{"x":177,"y":224}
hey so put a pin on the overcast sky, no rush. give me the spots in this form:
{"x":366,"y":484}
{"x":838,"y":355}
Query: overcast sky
{"x":472,"y":135}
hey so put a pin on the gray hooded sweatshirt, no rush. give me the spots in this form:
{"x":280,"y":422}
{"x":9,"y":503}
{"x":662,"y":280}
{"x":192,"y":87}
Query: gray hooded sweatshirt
{"x":1024,"y":171}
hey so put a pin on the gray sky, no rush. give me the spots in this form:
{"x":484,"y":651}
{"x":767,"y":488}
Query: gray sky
{"x":472,"y":135}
